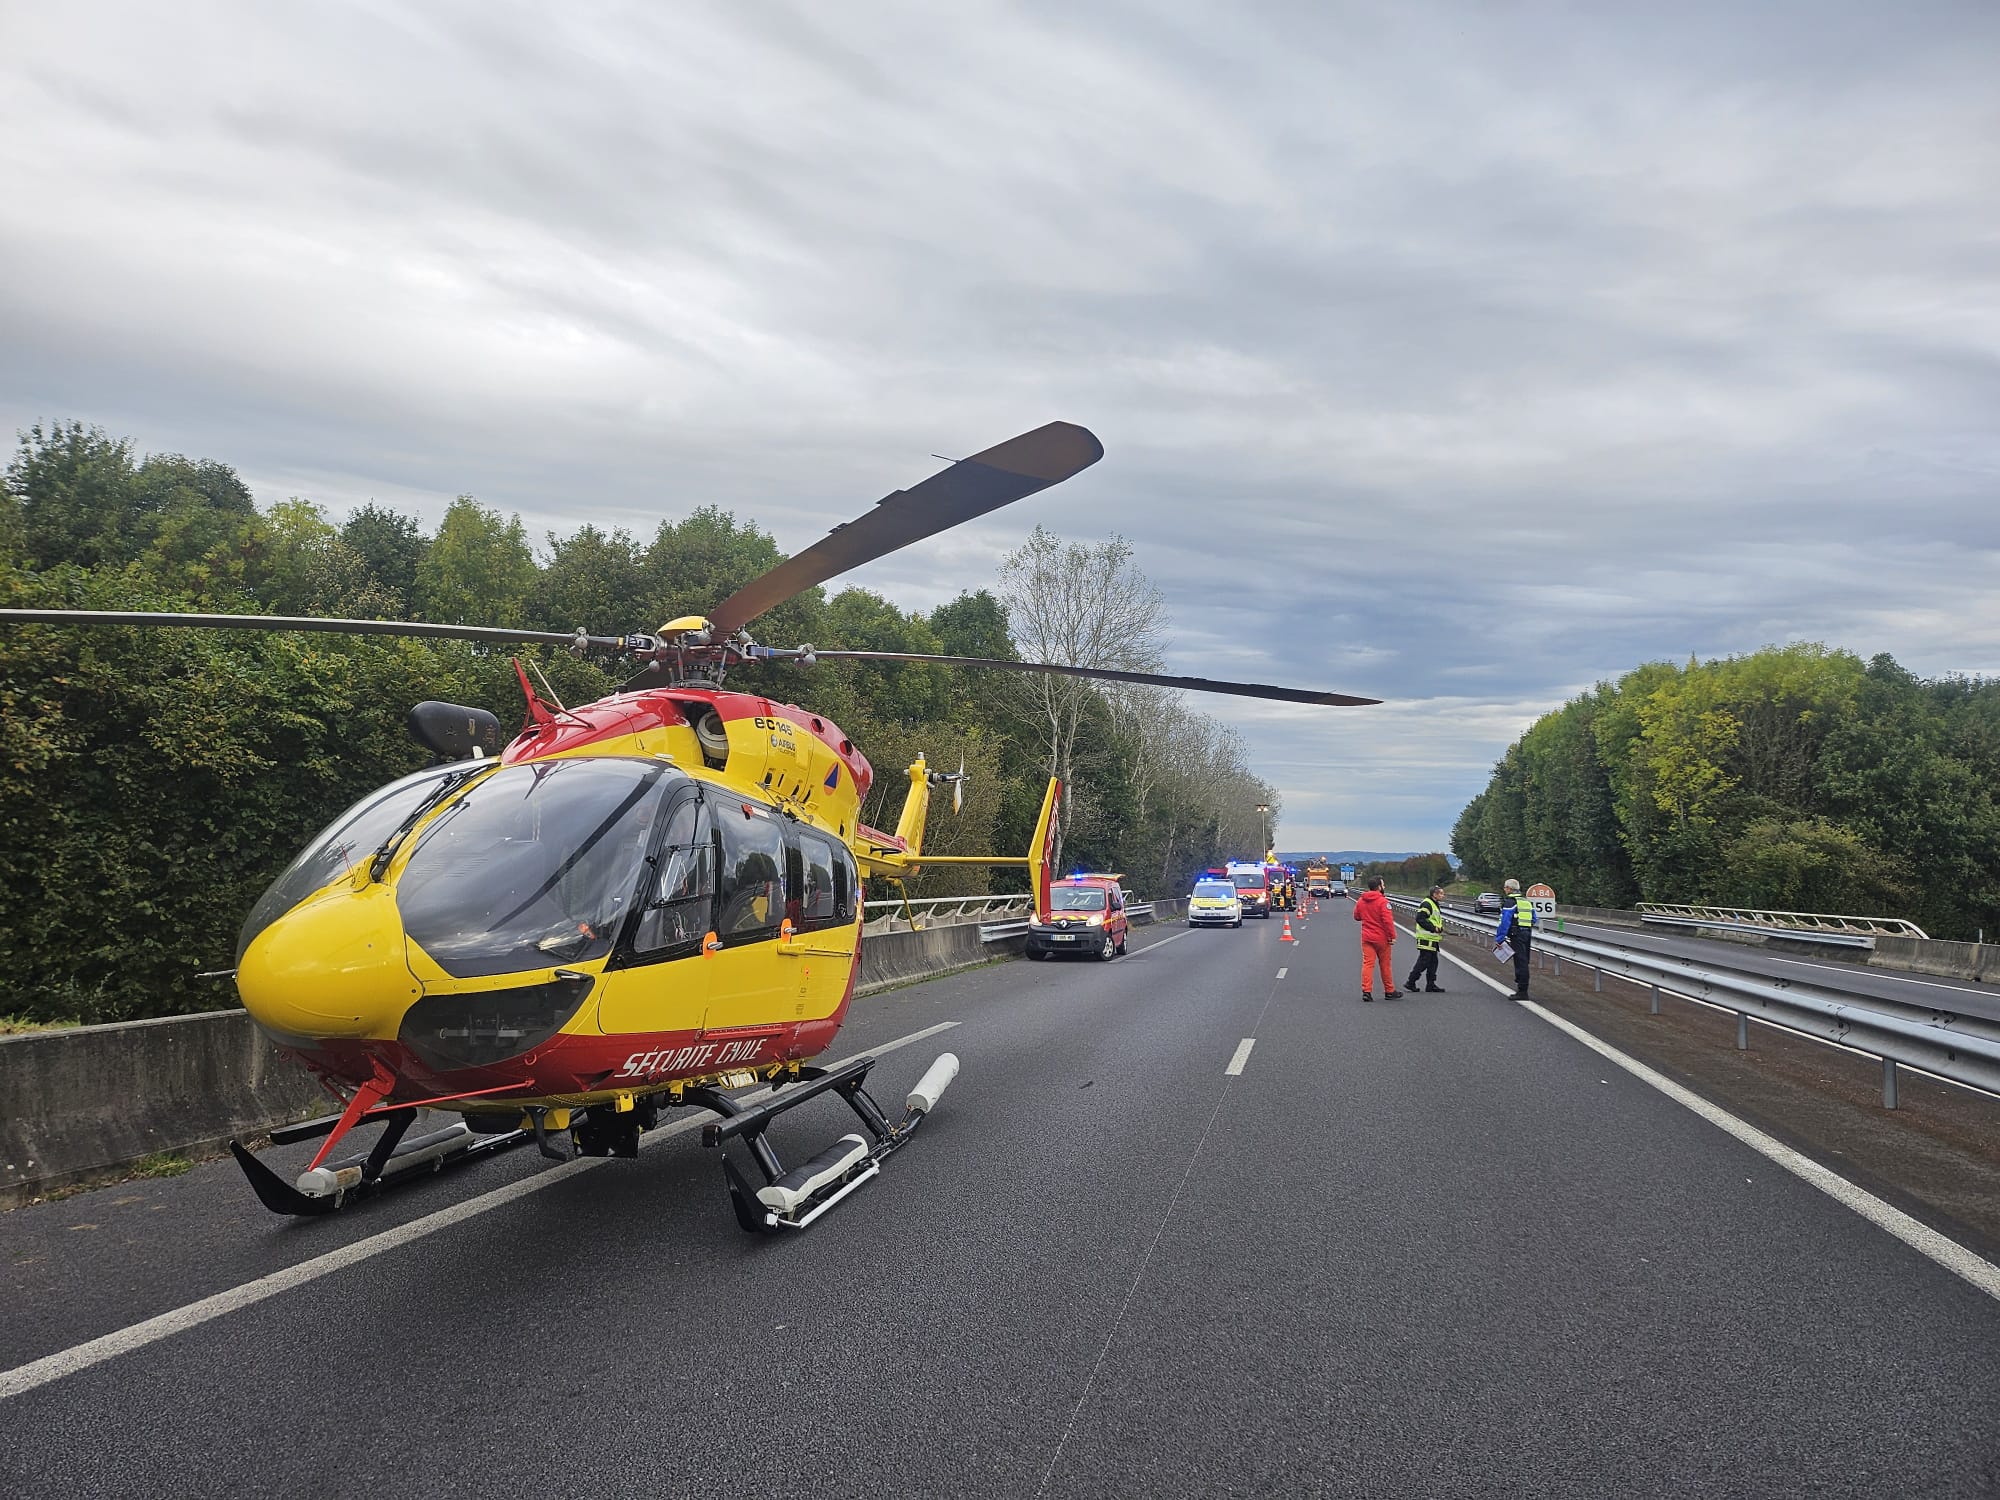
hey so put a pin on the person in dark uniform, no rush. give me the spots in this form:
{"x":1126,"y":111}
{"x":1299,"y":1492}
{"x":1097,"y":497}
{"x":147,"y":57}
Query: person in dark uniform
{"x":1517,"y":929}
{"x":1430,"y":933}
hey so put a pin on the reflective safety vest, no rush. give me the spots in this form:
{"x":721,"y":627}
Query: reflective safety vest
{"x":1524,"y":912}
{"x":1430,"y":924}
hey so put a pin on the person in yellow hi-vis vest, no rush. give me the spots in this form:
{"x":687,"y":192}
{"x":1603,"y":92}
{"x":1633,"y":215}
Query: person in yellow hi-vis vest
{"x":1517,"y":930}
{"x":1430,"y":933}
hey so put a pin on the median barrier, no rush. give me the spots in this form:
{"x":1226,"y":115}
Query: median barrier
{"x":91,"y":1100}
{"x":889,"y":958}
{"x":1947,"y":960}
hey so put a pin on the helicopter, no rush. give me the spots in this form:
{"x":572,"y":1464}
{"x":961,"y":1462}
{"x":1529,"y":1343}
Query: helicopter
{"x":648,"y":902}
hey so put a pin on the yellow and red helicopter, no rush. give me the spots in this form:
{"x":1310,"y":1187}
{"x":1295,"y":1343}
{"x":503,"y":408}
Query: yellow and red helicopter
{"x":649,"y":901}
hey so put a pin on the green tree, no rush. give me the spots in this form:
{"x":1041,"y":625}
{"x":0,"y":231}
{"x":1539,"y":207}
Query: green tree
{"x":70,"y":489}
{"x":391,"y":547}
{"x":478,"y":570}
{"x":593,"y":580}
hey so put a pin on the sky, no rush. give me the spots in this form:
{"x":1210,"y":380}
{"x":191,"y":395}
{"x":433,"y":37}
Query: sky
{"x":1458,"y":355}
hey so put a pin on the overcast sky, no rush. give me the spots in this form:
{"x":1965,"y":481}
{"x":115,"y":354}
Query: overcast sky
{"x":1457,"y":355}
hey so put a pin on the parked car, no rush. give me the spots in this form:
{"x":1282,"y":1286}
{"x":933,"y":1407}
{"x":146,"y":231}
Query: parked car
{"x":1214,"y":904}
{"x":1487,"y":901}
{"x":1086,"y":915}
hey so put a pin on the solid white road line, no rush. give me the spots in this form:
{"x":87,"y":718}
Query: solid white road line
{"x":1142,"y":952}
{"x":1235,"y":1068}
{"x":51,"y":1367}
{"x":1283,"y":972}
{"x":1919,"y":1236}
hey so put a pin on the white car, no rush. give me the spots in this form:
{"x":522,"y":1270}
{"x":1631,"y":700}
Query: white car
{"x":1215,"y":904}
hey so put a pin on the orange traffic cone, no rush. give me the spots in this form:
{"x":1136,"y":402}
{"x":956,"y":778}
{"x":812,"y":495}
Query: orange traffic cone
{"x":1286,"y":935}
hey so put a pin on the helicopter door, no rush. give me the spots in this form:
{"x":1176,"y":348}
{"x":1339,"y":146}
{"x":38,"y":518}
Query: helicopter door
{"x":822,"y":881}
{"x":751,"y":982}
{"x":681,"y":908}
{"x":644,"y":989}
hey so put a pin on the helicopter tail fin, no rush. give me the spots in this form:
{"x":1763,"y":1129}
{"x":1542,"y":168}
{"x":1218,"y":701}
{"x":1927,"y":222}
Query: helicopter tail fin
{"x":1042,"y":852}
{"x":916,"y":808}
{"x":909,"y":857}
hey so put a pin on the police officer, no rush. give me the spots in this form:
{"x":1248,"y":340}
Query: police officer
{"x":1430,"y":933}
{"x":1517,"y":929}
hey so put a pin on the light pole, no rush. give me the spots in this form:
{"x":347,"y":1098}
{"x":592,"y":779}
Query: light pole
{"x":1265,"y":809}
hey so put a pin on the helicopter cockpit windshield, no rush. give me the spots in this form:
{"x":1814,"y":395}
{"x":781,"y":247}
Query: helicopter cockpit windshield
{"x":352,"y":837}
{"x":536,"y":866}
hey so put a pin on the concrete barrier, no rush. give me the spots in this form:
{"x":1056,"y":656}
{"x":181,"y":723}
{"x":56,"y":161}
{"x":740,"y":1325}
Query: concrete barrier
{"x":84,"y":1103}
{"x":1976,"y":961}
{"x":891,"y":958}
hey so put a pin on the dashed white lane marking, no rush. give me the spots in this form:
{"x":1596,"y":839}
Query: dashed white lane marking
{"x":1919,"y":1236}
{"x":1283,"y":972}
{"x":51,"y":1367}
{"x":1235,"y":1068}
{"x":1146,"y":1260}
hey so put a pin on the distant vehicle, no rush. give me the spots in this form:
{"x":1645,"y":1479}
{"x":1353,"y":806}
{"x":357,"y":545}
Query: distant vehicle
{"x":1319,"y":878}
{"x":1252,"y":889}
{"x":1214,"y":904}
{"x":1339,"y":888}
{"x":1086,"y":915}
{"x":1487,"y":901}
{"x":1278,"y":881}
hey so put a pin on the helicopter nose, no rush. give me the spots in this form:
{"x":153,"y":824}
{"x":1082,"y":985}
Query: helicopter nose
{"x":334,"y":967}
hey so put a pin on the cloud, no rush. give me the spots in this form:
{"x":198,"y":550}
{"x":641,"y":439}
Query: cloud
{"x":1461,"y":356}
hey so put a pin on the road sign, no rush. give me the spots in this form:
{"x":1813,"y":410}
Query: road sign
{"x":1543,"y":899}
{"x":1347,"y":872}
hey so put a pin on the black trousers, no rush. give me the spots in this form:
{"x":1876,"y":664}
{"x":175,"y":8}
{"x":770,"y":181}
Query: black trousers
{"x":1520,"y":938}
{"x":1427,"y":964}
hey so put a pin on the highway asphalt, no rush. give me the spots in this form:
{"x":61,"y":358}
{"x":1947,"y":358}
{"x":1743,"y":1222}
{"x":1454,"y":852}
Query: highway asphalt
{"x":1427,"y":1247}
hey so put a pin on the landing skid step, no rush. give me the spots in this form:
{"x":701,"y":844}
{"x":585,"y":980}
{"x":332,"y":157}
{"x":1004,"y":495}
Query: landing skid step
{"x":794,"y":1199}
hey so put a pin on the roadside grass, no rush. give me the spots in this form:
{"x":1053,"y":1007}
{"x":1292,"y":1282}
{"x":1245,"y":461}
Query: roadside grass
{"x":22,"y":1025}
{"x":161,"y":1164}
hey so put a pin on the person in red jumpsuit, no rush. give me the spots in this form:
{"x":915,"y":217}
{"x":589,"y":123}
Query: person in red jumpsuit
{"x":1378,"y":936}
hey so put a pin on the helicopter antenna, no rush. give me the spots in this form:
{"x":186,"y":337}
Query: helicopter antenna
{"x":561,"y":707}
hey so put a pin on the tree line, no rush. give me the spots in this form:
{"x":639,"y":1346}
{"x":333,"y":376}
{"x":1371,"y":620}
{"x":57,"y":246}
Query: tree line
{"x":1795,"y":778}
{"x":153,"y":781}
{"x":1417,"y":874}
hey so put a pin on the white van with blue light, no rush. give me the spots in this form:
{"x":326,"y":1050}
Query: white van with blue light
{"x":1215,"y":904}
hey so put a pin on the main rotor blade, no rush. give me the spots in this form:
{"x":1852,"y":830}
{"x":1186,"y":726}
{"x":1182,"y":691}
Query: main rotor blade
{"x":971,"y":487}
{"x":300,"y":622}
{"x":1105,"y":674}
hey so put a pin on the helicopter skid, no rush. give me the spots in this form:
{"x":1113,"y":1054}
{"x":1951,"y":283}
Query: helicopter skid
{"x":393,"y":1160}
{"x":794,"y":1199}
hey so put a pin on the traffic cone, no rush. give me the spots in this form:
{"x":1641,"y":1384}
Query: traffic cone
{"x":1286,"y":935}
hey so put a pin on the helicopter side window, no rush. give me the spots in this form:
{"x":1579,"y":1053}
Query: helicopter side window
{"x":677,"y":914}
{"x":753,"y":872}
{"x":818,"y":899}
{"x":846,"y":883}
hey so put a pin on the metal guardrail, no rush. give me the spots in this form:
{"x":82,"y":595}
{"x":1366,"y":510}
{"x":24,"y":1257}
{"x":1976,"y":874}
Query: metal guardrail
{"x":1012,"y":911}
{"x":1853,"y":932}
{"x":1961,"y":1048}
{"x":888,"y":916}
